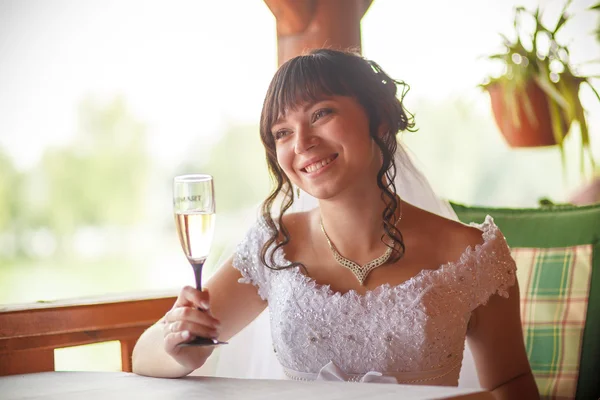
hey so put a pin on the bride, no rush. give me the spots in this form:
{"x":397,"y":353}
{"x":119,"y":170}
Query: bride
{"x":366,"y":286}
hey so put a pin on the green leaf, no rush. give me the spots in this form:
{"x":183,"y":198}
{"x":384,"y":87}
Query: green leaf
{"x":566,"y":6}
{"x":593,"y":88}
{"x":570,"y":86}
{"x":499,"y":56}
{"x":557,"y":130}
{"x":507,"y":42}
{"x":557,"y":121}
{"x":528,"y":107}
{"x":548,"y":87}
{"x":563,"y":18}
{"x":585,"y":139}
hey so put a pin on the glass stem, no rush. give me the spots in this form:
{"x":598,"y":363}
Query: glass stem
{"x":197,"y":266}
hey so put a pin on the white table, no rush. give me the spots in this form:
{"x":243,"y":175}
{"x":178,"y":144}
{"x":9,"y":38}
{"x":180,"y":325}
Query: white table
{"x":121,"y":385}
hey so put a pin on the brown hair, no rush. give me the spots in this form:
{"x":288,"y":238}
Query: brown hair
{"x":308,"y":78}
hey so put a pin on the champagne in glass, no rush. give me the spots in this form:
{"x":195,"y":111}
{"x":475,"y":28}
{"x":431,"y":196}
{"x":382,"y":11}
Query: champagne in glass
{"x":195,"y":230}
{"x":194,"y":207}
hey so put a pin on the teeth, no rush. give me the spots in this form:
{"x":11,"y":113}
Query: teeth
{"x":318,"y":165}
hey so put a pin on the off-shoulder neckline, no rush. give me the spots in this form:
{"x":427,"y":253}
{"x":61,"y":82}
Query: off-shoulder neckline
{"x":489,"y":235}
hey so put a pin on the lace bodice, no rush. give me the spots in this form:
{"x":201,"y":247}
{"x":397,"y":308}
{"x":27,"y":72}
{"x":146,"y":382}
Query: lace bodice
{"x":418,"y":326}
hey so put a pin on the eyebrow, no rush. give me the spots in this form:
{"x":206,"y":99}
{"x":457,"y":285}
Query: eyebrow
{"x":307,"y":105}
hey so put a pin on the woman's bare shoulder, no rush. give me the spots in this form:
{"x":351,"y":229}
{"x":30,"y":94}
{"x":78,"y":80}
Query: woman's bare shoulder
{"x":450,"y":237}
{"x":300,"y":223}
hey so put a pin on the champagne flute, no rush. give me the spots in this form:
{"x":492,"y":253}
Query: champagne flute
{"x":194,"y":207}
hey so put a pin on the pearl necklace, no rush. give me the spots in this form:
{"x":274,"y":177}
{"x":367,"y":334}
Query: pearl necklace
{"x":359,"y":272}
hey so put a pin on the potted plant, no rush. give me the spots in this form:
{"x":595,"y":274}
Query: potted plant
{"x":536,"y":100}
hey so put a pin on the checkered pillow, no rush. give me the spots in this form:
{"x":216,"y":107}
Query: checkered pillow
{"x":554,"y":285}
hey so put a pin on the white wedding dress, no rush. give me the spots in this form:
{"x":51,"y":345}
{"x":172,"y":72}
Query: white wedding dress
{"x":410,"y":333}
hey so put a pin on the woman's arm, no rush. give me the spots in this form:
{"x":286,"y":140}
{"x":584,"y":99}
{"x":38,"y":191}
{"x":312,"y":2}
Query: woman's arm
{"x":495,"y":337}
{"x":232,"y":306}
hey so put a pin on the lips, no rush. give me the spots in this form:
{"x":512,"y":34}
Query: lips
{"x":314,"y":166}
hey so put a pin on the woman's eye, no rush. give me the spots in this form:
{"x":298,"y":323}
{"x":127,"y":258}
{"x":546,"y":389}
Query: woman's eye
{"x":281,"y":133}
{"x":321,"y":113}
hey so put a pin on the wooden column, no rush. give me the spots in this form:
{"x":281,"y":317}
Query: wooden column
{"x":127,"y":346}
{"x":303,"y":25}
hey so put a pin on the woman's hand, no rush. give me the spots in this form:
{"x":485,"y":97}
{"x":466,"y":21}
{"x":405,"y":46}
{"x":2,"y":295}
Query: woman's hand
{"x":189,"y":317}
{"x":157,"y":352}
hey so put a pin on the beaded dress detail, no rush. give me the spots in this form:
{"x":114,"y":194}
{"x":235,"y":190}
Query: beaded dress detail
{"x":414,"y":331}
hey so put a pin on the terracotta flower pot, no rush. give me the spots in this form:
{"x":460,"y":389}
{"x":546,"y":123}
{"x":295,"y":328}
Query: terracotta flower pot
{"x":531,"y":132}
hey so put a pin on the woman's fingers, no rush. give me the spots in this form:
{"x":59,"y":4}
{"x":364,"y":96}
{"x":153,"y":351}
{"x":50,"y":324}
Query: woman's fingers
{"x":172,"y":340}
{"x":189,"y":317}
{"x":179,"y":332}
{"x":193,"y":315}
{"x":193,"y":329}
{"x":190,"y":296}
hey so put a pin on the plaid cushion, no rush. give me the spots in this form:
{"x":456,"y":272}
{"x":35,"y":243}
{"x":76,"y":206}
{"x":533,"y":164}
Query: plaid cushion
{"x":552,"y":228}
{"x":554,"y":287}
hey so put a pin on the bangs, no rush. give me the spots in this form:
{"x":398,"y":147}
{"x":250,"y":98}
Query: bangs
{"x":304,"y":80}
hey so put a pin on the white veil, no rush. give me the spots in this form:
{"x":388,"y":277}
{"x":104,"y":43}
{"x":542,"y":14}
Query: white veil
{"x":250,"y":353}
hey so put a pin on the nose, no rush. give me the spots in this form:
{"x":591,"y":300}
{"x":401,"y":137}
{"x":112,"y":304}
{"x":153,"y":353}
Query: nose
{"x":305,"y":140}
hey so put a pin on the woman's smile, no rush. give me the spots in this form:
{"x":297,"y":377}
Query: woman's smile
{"x":313,"y":167}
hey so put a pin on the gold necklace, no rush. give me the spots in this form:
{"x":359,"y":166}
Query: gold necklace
{"x":359,"y":272}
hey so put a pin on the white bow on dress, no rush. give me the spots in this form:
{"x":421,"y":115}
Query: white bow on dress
{"x":331,"y":372}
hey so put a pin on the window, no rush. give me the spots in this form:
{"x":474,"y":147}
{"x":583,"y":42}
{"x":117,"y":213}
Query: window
{"x":101,"y":104}
{"x":439,"y":49}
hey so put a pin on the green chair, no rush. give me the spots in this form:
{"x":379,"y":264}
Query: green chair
{"x":557,"y":250}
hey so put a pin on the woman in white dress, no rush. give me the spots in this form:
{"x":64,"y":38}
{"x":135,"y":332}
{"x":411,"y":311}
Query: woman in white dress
{"x":365,"y":286}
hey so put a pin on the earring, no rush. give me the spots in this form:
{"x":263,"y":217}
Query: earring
{"x":297,"y":192}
